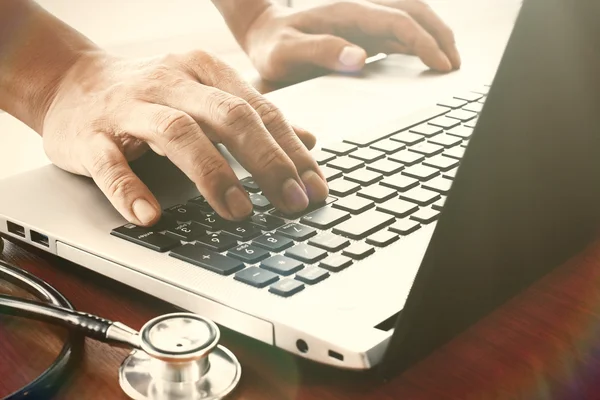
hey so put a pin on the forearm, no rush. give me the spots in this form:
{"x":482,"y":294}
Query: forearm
{"x":239,"y":14}
{"x":36,"y":50}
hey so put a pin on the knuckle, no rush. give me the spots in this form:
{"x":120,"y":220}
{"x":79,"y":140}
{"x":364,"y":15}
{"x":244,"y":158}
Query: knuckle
{"x":159,"y":73}
{"x":209,"y":166}
{"x":177,"y":129}
{"x":269,"y":114}
{"x":273,"y":157}
{"x":231,"y":110}
{"x":106,"y":169}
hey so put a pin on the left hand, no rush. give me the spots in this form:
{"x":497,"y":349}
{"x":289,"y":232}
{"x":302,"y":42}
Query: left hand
{"x":285,"y":44}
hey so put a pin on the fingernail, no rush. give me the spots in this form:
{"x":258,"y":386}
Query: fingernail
{"x":238,"y":203}
{"x":316,"y":188}
{"x":143,"y":211}
{"x":293,"y":196}
{"x":352,"y":57}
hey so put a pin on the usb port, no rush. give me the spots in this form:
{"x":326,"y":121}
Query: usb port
{"x":40,"y":239}
{"x":15,"y":229}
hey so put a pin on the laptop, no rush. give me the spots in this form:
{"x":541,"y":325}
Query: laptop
{"x":434,"y":218}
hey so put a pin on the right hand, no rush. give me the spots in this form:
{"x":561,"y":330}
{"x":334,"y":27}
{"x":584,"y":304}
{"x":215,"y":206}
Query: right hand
{"x":107,"y":111}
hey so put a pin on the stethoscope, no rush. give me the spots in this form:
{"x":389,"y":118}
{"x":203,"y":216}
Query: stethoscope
{"x":175,"y":356}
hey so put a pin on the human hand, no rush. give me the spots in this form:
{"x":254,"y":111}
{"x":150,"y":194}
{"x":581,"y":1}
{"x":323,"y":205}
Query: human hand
{"x":286,"y":44}
{"x":107,"y":111}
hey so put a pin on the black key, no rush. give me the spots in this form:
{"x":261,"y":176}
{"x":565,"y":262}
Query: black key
{"x":382,"y":239}
{"x":250,"y":185}
{"x":473,"y":107}
{"x":201,"y":202}
{"x":388,"y":146}
{"x":330,"y":173}
{"x":405,"y":226}
{"x":260,"y":202}
{"x":256,"y":277}
{"x":427,"y":149}
{"x":340,"y":149}
{"x":461,"y":131}
{"x":364,"y":224}
{"x":145,"y":237}
{"x":364,"y":177}
{"x":325,"y":218}
{"x":248,"y":253}
{"x":452,"y":103}
{"x":407,"y":138}
{"x":311,"y":207}
{"x":322,"y":157}
{"x":407,"y":157}
{"x":440,"y":162}
{"x":354,"y":204}
{"x":243,"y":231}
{"x":346,"y":164}
{"x":377,"y":193}
{"x":305,"y":253}
{"x":450,"y":174}
{"x":421,"y":172}
{"x":218,"y":241}
{"x":336,"y":263}
{"x":426,"y":130}
{"x":445,"y":140}
{"x":286,"y":287}
{"x":367,"y":155}
{"x":297,"y":232}
{"x":342,"y":187}
{"x":439,"y":205}
{"x":439,"y":185}
{"x":330,"y":242}
{"x":358,"y":251}
{"x":468,"y":96}
{"x":461,"y":115}
{"x":267,"y":222}
{"x":184,"y":213}
{"x":273,"y":242}
{"x":420,"y":196}
{"x":186,"y":232}
{"x":471,"y":123}
{"x":444,"y":122}
{"x":455,"y":152}
{"x":215,"y":262}
{"x":399,"y":182}
{"x":282,"y":265}
{"x":213,"y":222}
{"x":398,"y":208}
{"x":312,"y":275}
{"x":425,"y":215}
{"x":385,"y":167}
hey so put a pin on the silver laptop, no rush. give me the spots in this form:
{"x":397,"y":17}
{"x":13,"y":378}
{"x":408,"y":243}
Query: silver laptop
{"x":337,"y":283}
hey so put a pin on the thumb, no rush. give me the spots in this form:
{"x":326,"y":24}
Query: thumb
{"x":329,"y":51}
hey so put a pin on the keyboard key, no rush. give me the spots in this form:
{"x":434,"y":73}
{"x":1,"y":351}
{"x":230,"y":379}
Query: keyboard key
{"x":439,"y":185}
{"x":213,"y":222}
{"x":452,"y":103}
{"x":442,"y":163}
{"x":186,"y":232}
{"x":243,"y":231}
{"x":472,"y":123}
{"x":358,"y":251}
{"x":425,"y":215}
{"x":312,"y":275}
{"x":322,"y":157}
{"x":297,"y":232}
{"x":340,"y":148}
{"x":207,"y":259}
{"x":354,"y":204}
{"x":256,"y":277}
{"x":427,"y":149}
{"x":461,"y":115}
{"x":385,"y":167}
{"x":346,"y":164}
{"x":184,"y":213}
{"x":450,"y":174}
{"x":398,"y":208}
{"x":407,"y":157}
{"x":248,"y":253}
{"x":325,"y":218}
{"x":377,"y":193}
{"x":382,"y":239}
{"x":483,"y":90}
{"x":311,"y":207}
{"x":465,"y":143}
{"x":273,"y":242}
{"x":405,"y":226}
{"x":306,"y":253}
{"x":364,"y":177}
{"x":481,"y":100}
{"x":282,"y":265}
{"x":456,"y":152}
{"x":421,"y":172}
{"x":218,"y":242}
{"x":250,"y":185}
{"x":420,"y":196}
{"x":145,"y":237}
{"x":439,"y":205}
{"x":330,"y":173}
{"x":336,"y":263}
{"x":444,"y":122}
{"x":367,"y":155}
{"x":201,"y":202}
{"x":407,"y":138}
{"x":445,"y":140}
{"x":473,"y":107}
{"x":267,"y":222}
{"x":399,"y":182}
{"x":330,"y":242}
{"x":388,"y":146}
{"x":426,"y":130}
{"x":342,"y":187}
{"x":260,"y":202}
{"x":468,"y":96}
{"x":461,"y":132}
{"x":364,"y":224}
{"x":286,"y":287}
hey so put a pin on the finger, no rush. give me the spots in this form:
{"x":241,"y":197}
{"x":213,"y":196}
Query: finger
{"x":308,"y":139}
{"x":178,"y":136}
{"x":109,"y":168}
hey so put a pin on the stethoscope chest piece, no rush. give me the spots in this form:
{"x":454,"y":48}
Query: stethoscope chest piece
{"x":180,"y":359}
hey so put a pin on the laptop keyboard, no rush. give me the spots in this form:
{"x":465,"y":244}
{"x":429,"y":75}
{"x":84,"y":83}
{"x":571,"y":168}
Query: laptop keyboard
{"x":383,"y":186}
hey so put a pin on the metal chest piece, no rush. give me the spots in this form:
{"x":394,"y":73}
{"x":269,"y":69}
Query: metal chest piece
{"x":180,"y":359}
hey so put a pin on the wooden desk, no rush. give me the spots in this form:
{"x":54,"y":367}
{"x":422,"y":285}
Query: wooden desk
{"x":543,"y":344}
